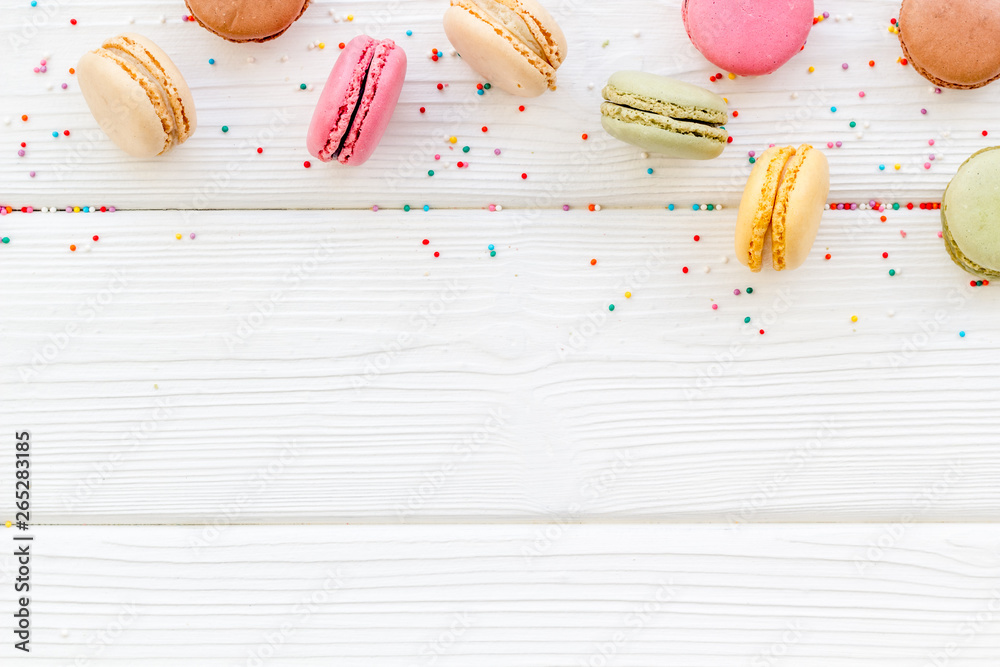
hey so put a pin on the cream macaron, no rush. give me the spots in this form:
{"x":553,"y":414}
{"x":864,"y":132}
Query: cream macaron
{"x":782,"y":207}
{"x":137,"y":95}
{"x":515,"y":44}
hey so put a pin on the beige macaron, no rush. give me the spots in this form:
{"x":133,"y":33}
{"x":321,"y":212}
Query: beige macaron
{"x":782,"y":207}
{"x":515,"y":44}
{"x":137,"y":95}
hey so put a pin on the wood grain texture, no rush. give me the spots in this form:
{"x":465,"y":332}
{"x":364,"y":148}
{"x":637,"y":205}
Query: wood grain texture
{"x":262,"y":105}
{"x":562,"y":595}
{"x":324,"y":366}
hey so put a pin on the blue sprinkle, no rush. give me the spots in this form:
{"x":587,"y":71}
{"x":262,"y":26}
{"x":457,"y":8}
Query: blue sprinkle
{"x":833,"y":109}
{"x":86,"y":209}
{"x":211,"y":61}
{"x":34,"y":3}
{"x":649,"y":171}
{"x":490,"y":247}
{"x":694,"y":207}
{"x":881,"y":167}
{"x":670,"y":207}
{"x":426,"y":208}
{"x":962,"y":334}
{"x":481,"y":91}
{"x":55,"y":134}
{"x":409,"y":33}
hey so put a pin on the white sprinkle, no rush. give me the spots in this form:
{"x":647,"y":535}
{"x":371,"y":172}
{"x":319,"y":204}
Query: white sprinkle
{"x":637,"y":33}
{"x":703,"y":207}
{"x":645,"y":155}
{"x":946,"y":134}
{"x":50,"y":87}
{"x":251,"y":59}
{"x":597,"y":207}
{"x":333,"y":12}
{"x":311,"y":46}
{"x":284,"y":59}
{"x":707,"y":269}
{"x":724,"y":259}
{"x":64,"y":632}
{"x":131,"y":20}
{"x":866,"y":124}
{"x":890,"y":313}
{"x":452,"y":51}
{"x":850,"y":17}
{"x":163,"y":19}
{"x":309,"y":87}
{"x":718,"y":207}
{"x":6,"y":120}
{"x":498,"y":207}
{"x":590,"y":86}
{"x":837,"y":18}
{"x":860,"y":135}
{"x":47,"y":55}
{"x":795,"y":96}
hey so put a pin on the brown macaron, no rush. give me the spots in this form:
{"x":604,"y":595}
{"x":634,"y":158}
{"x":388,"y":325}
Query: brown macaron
{"x":952,"y":43}
{"x":247,"y":20}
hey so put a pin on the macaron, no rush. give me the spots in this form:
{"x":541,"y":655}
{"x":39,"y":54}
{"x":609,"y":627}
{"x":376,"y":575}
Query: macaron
{"x":246,"y":20}
{"x":952,"y":44}
{"x":357,"y":101}
{"x":515,"y":45}
{"x":781,"y":207}
{"x":665,"y":116}
{"x":969,"y":221}
{"x":748,"y":37}
{"x":137,"y":95}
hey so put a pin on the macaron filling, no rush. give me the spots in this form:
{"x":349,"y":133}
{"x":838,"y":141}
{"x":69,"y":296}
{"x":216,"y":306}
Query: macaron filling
{"x":633,"y":108}
{"x":367,"y":98}
{"x":348,"y":111}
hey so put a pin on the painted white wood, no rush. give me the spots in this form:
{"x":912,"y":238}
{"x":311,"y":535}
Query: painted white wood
{"x":314,"y":366}
{"x":262,"y":105}
{"x":549,"y":594}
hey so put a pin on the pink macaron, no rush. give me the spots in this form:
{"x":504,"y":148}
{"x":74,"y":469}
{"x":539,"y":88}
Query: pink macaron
{"x":357,"y":101}
{"x":748,"y":37}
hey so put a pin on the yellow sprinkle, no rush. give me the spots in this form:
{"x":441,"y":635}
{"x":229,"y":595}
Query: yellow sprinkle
{"x":76,"y":209}
{"x":178,"y":237}
{"x":453,"y":140}
{"x":7,"y":524}
{"x":811,"y":69}
{"x":350,"y":17}
{"x":898,"y":166}
{"x":726,"y":100}
{"x":628,"y":295}
{"x":854,"y":318}
{"x":732,"y":76}
{"x":321,"y":45}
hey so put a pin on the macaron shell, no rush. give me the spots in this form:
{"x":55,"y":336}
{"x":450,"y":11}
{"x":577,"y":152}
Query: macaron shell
{"x":247,"y":20}
{"x":798,"y":207}
{"x":748,"y":37}
{"x":339,"y":96}
{"x":952,"y":43}
{"x":666,"y":96}
{"x":509,"y":66}
{"x":969,"y":213}
{"x":385,"y":82}
{"x":121,"y":107}
{"x":659,"y":134}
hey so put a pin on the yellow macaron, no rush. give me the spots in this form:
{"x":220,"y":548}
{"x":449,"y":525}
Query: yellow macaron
{"x":782,"y":207}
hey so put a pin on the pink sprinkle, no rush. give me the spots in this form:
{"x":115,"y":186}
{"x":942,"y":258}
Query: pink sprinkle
{"x":927,"y":165}
{"x":496,"y":151}
{"x":940,"y":234}
{"x":30,"y":209}
{"x":861,"y":94}
{"x":923,"y":111}
{"x":565,"y":207}
{"x":493,"y":207}
{"x":736,"y":292}
{"x":931,"y":157}
{"x":829,"y":144}
{"x":21,"y":153}
{"x":31,"y":174}
{"x":902,"y":233}
{"x":930,"y":142}
{"x":375,"y":209}
{"x":64,"y":86}
{"x":111,"y":209}
{"x":192,"y":235}
{"x":69,"y":209}
{"x":844,"y":66}
{"x":839,"y":144}
{"x":36,"y":70}
{"x":44,"y":69}
{"x":437,"y":157}
{"x":715,"y":306}
{"x":752,"y":153}
{"x":43,"y":62}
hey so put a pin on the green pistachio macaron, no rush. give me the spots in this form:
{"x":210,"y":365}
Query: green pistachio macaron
{"x":664,"y":115}
{"x":970,"y":214}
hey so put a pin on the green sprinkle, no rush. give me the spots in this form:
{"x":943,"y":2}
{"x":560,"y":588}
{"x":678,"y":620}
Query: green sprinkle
{"x":430,"y":172}
{"x":749,"y":290}
{"x":406,"y":207}
{"x":493,"y":253}
{"x":746,"y":320}
{"x":225,"y":128}
{"x":605,"y":44}
{"x":895,"y":207}
{"x":302,"y":86}
{"x":711,"y":207}
{"x":5,"y":239}
{"x":892,"y":272}
{"x":853,"y":124}
{"x":753,"y":160}
{"x":465,"y":149}
{"x":487,"y":86}
{"x":611,"y":307}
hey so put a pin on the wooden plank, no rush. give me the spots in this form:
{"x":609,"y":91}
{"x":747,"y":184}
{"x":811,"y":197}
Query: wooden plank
{"x":262,"y":105}
{"x":564,"y":595}
{"x":315,"y":366}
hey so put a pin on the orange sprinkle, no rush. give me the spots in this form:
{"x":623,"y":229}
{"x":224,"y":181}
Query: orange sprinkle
{"x":584,"y":136}
{"x":72,"y":248}
{"x":593,"y":262}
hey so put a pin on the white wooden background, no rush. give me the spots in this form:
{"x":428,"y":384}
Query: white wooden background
{"x":299,"y":438}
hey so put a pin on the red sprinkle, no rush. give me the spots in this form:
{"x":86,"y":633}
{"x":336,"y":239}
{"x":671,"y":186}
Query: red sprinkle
{"x":684,"y":270}
{"x":440,"y":86}
{"x":260,"y":150}
{"x":96,"y":237}
{"x":885,"y":255}
{"x":761,"y":332}
{"x":72,"y":21}
{"x":521,"y":108}
{"x":729,"y":140}
{"x":426,"y":241}
{"x":984,"y":131}
{"x":584,"y":136}
{"x":437,"y":254}
{"x":827,"y":255}
{"x":65,"y":133}
{"x":736,"y":114}
{"x":342,"y":45}
{"x":423,"y":110}
{"x":697,"y":238}
{"x":485,"y":129}
{"x":524,"y":176}
{"x":307,"y":164}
